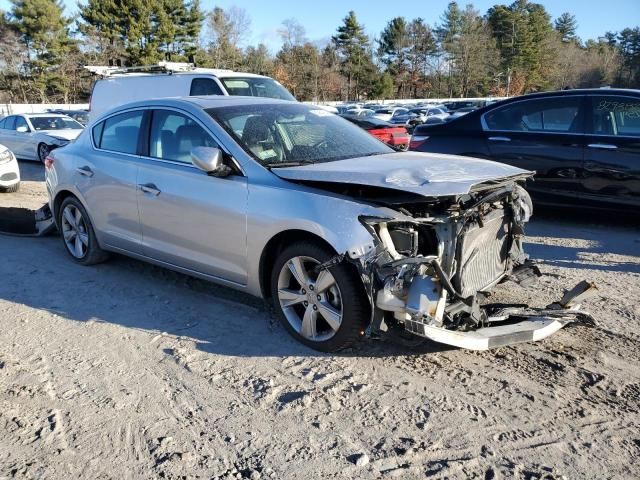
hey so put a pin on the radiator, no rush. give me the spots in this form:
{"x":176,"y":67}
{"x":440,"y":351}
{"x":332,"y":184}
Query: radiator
{"x":482,"y":254}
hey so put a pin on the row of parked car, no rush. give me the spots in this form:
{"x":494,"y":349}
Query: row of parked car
{"x":410,"y":115}
{"x":393,"y":124}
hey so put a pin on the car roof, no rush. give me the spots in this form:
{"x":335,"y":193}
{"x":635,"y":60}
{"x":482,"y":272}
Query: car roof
{"x":44,"y":114}
{"x":194,"y":71}
{"x":203,"y":102}
{"x":577,"y":91}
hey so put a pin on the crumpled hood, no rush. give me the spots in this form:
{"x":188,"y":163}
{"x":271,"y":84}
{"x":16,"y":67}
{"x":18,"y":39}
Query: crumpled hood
{"x":70,"y":134}
{"x":426,"y":174}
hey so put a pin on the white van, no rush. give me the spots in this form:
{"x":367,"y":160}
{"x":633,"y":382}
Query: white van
{"x":123,"y":85}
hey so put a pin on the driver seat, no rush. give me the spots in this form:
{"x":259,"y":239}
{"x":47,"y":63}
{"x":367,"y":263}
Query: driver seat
{"x":257,"y":136}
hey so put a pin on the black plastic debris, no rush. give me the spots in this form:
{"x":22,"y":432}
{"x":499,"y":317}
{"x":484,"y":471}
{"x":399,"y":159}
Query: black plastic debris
{"x":18,"y":221}
{"x":27,"y":222}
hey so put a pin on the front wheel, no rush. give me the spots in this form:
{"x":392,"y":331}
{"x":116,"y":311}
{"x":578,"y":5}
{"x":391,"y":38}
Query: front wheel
{"x":327,"y":309}
{"x":43,"y":151}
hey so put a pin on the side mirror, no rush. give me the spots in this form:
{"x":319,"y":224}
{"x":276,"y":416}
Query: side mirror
{"x":210,"y":160}
{"x":22,"y":129}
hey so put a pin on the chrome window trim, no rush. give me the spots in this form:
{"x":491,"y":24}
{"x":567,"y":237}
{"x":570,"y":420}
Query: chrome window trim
{"x":485,"y":127}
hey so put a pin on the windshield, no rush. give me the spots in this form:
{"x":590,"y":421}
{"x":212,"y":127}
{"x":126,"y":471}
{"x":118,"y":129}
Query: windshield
{"x":256,"y":87}
{"x":286,"y":134}
{"x":54,"y":123}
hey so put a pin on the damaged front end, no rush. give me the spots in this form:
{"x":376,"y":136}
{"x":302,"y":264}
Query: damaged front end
{"x":433,"y":265}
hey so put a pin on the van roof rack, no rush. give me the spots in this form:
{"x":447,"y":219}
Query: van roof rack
{"x":160,"y":67}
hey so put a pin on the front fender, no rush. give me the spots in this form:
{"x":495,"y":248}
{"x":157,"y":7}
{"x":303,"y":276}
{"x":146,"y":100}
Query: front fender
{"x":273,"y":210}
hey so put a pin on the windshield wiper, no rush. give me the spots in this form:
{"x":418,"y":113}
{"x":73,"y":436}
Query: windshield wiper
{"x":288,"y":164}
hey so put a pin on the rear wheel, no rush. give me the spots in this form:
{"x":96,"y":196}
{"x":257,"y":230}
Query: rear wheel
{"x":77,"y":233}
{"x":326,"y":310}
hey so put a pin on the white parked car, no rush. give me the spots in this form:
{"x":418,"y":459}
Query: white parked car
{"x":167,"y":79}
{"x":31,"y":136}
{"x":9,"y":171}
{"x":422,"y":113}
{"x":387,"y":113}
{"x":360,"y":112}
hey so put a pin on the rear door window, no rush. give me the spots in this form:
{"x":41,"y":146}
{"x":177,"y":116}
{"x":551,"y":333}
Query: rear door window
{"x":559,"y":115}
{"x":205,"y":86}
{"x":120,"y":132}
{"x":174,"y":135}
{"x":616,"y":116}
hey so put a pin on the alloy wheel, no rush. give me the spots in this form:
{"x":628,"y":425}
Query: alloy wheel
{"x":43,"y":151}
{"x":74,"y":231}
{"x":311,"y":302}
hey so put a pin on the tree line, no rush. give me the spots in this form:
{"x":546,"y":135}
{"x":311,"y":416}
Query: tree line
{"x":508,"y":50}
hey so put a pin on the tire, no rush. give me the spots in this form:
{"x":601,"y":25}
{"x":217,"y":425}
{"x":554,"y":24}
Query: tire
{"x":11,"y":189}
{"x":43,"y":151}
{"x":78,"y":237}
{"x":307,"y":309}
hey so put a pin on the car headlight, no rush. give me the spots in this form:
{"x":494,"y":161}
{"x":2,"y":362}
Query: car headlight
{"x":61,"y":141}
{"x":6,"y":156}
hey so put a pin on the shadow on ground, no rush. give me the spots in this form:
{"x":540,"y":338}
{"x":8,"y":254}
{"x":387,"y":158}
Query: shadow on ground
{"x":585,"y":240}
{"x":31,"y":171}
{"x":137,"y":295}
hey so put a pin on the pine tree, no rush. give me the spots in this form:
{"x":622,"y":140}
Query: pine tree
{"x":629,"y":47}
{"x":139,"y":32}
{"x":566,"y":26}
{"x":523,"y":34}
{"x":353,"y":48}
{"x":44,"y":30}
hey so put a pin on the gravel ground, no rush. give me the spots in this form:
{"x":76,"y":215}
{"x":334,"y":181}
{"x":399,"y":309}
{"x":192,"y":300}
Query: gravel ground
{"x":125,"y":370}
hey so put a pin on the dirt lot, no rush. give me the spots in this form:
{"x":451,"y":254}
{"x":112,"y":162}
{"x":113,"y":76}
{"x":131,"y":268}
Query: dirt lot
{"x":129,"y":371}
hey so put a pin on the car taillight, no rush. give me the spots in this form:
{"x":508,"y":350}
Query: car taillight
{"x":383,"y":134}
{"x":48,"y":162}
{"x":417,"y":141}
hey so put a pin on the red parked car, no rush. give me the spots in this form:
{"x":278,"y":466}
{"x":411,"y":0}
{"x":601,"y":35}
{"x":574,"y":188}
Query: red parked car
{"x":396,"y":136}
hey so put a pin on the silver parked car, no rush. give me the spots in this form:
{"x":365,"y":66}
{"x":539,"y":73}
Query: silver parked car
{"x":294,"y":204}
{"x":32,"y":136}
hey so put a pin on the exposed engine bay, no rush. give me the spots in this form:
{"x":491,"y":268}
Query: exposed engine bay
{"x":433,"y":265}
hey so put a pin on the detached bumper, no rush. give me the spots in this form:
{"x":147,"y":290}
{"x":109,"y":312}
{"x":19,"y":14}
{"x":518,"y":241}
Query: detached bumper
{"x":513,"y":325}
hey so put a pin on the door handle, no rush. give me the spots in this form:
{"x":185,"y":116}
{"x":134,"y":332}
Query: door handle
{"x":603,"y":146}
{"x":85,"y":171}
{"x":150,"y":188}
{"x":499,"y":139}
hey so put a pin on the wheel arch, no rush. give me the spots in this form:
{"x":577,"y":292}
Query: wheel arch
{"x":59,"y":198}
{"x":273,"y":248}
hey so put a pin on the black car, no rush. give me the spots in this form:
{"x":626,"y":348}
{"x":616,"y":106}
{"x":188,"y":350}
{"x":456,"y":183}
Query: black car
{"x":584,"y":145}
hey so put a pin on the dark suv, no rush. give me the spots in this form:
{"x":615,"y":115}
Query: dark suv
{"x":584,"y":145}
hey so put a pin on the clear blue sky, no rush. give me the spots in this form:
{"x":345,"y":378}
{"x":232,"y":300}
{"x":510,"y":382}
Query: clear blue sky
{"x":320,"y":18}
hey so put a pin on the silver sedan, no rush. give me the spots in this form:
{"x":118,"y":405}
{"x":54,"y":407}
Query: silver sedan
{"x":293,"y":204}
